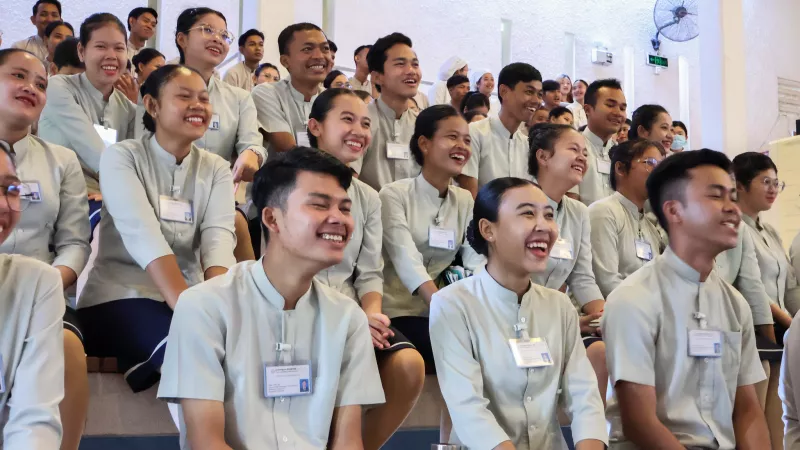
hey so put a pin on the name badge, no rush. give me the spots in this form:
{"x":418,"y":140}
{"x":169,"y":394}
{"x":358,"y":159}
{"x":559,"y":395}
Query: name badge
{"x":643,"y":249}
{"x":603,"y":166}
{"x":705,"y":343}
{"x":175,"y":210}
{"x":2,"y":376}
{"x":108,"y":135}
{"x":301,"y":138}
{"x":214,"y":125}
{"x":442,"y":238}
{"x":397,"y":151}
{"x":531,"y":352}
{"x":562,"y":249}
{"x":287,"y":381}
{"x":32,"y":191}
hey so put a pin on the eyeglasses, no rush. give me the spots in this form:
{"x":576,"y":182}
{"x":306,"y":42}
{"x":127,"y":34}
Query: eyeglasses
{"x":342,"y":85}
{"x":209,"y":32}
{"x":774,"y":183}
{"x":18,"y":196}
{"x":652,"y":162}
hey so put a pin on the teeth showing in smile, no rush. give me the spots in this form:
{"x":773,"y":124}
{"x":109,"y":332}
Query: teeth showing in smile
{"x":215,"y":50}
{"x":194,"y":119}
{"x":531,"y":108}
{"x":410,"y":81}
{"x":108,"y":67}
{"x":578,"y":168}
{"x":730,"y":225}
{"x":353,"y":144}
{"x":541,"y":245}
{"x":457,"y":157}
{"x":317,"y":67}
{"x":332,"y":237}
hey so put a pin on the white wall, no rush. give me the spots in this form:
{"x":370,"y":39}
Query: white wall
{"x":471,"y":29}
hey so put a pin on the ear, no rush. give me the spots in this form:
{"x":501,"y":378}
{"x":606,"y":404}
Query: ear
{"x":424,"y":144}
{"x":81,"y":52}
{"x":285,"y":61}
{"x":182,"y":40}
{"x":619,"y":169}
{"x":587,"y":108}
{"x":542,"y":157}
{"x":150,"y":105}
{"x":673,"y":211}
{"x":315,"y":127}
{"x":269,"y":217}
{"x":130,"y":23}
{"x":486,"y":229}
{"x":503,"y":90}
{"x":33,"y":20}
{"x":376,"y":77}
{"x":642,"y":132}
{"x":53,"y":68}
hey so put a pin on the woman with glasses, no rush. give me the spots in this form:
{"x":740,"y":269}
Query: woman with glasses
{"x":203,"y":41}
{"x":758,"y":186}
{"x":623,"y":240}
{"x":336,"y":79}
{"x":50,"y":204}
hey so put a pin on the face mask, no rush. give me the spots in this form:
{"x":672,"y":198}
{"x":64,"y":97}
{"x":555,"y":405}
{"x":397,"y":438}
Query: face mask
{"x":678,"y":142}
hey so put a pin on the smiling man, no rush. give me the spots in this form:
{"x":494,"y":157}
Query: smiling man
{"x":605,"y":106}
{"x":394,"y":69}
{"x":251,"y":337}
{"x":44,"y":12}
{"x":283,"y":107}
{"x":680,"y":344}
{"x":499,"y":148}
{"x":142,"y":26}
{"x":251,"y":46}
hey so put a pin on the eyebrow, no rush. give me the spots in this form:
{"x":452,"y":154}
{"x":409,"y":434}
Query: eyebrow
{"x":533,"y":205}
{"x":328,"y":197}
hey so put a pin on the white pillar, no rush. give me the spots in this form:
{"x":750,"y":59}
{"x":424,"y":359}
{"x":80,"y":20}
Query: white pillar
{"x":271,"y":17}
{"x":722,"y":76}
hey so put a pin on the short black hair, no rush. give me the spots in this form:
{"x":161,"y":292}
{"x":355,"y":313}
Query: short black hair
{"x":625,"y":153}
{"x":628,"y":121}
{"x":361,"y":47}
{"x":53,"y":25}
{"x":333,"y":46}
{"x":264,"y":66}
{"x":145,"y":56}
{"x":137,"y":12}
{"x":322,"y":106}
{"x":551,"y":85}
{"x":376,"y":57}
{"x":287,"y":35}
{"x":154,"y":83}
{"x":590,"y":98}
{"x":330,"y":77}
{"x":426,"y":125}
{"x":748,"y":165}
{"x":276,"y":179}
{"x":644,"y":116}
{"x":247,"y":34}
{"x":543,"y":136}
{"x":487,"y":206}
{"x":97,"y":21}
{"x":469,"y":115}
{"x":56,"y":3}
{"x":559,"y":111}
{"x":66,"y":54}
{"x":679,"y":124}
{"x":516,"y":73}
{"x":668,"y":180}
{"x":455,"y":80}
{"x":363,"y":95}
{"x":474,"y":99}
{"x":186,"y":21}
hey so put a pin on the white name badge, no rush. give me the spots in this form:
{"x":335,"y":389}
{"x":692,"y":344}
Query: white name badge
{"x":301,"y":138}
{"x":214,"y":125}
{"x":562,"y":249}
{"x":531,"y":352}
{"x":705,"y":343}
{"x":108,"y":135}
{"x":643,"y":249}
{"x":175,"y":210}
{"x":442,"y":238}
{"x":32,"y":191}
{"x":2,"y":376}
{"x":287,"y":381}
{"x":397,"y":151}
{"x":603,"y":166}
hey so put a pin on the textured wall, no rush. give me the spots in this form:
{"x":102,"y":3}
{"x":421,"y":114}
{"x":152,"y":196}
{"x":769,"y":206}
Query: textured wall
{"x":471,"y":29}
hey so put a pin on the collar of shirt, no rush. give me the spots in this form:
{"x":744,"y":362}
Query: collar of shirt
{"x":251,"y":71}
{"x":167,"y":157}
{"x":596,"y":141}
{"x":680,"y":267}
{"x":499,"y":129}
{"x":212,"y":85}
{"x":268,"y":291}
{"x":429,"y":192}
{"x":628,"y":205}
{"x":496,"y":291}
{"x":21,"y":148}
{"x":389,"y":112}
{"x":557,"y":206}
{"x":297,"y":95}
{"x":135,"y":48}
{"x":754,"y":223}
{"x":95,"y":95}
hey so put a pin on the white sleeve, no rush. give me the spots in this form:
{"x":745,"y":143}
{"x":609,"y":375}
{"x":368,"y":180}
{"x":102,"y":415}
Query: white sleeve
{"x":605,"y":248}
{"x":72,"y":233}
{"x":399,"y":243}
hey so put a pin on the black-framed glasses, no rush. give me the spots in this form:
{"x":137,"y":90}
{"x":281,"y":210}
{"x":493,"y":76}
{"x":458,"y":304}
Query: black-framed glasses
{"x":210,"y":32}
{"x":18,"y":196}
{"x":774,"y":183}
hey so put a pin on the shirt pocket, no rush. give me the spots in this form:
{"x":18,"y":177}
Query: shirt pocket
{"x":731,"y":357}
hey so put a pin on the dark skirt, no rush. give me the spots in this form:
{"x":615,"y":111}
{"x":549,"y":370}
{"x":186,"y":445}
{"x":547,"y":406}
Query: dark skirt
{"x":133,"y":330}
{"x":415,"y":330}
{"x":768,"y":350}
{"x":72,"y":323}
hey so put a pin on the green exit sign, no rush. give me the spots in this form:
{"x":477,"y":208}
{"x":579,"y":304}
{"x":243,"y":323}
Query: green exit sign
{"x":657,"y":61}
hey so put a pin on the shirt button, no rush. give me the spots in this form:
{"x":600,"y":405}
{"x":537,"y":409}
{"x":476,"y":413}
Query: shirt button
{"x":285,"y":439}
{"x":529,"y":399}
{"x":533,"y":427}
{"x":180,"y":234}
{"x":283,"y":399}
{"x":522,"y":320}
